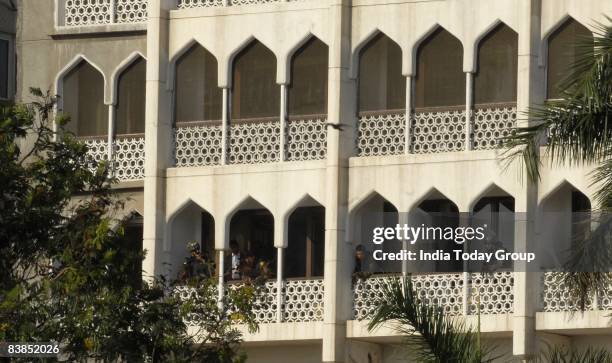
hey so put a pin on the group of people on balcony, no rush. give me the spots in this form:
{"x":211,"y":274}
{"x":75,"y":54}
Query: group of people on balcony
{"x":240,"y":266}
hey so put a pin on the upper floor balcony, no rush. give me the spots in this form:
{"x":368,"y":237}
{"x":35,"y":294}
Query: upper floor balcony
{"x":255,"y":117}
{"x":82,"y":13}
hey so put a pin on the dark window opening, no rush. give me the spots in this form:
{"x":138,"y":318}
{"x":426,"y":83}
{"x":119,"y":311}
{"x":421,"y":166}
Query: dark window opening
{"x":381,"y":83}
{"x":83,"y":101}
{"x":133,"y":239}
{"x":496,"y":77}
{"x":564,"y":50}
{"x":443,"y":213}
{"x":4,"y":68}
{"x":131,"y":99}
{"x":308,"y":88}
{"x":440,"y":80}
{"x":306,"y":247}
{"x":254,"y":89}
{"x":197,"y":95}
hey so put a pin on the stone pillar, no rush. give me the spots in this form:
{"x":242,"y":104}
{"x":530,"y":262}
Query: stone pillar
{"x":158,"y":135}
{"x":111,"y":132}
{"x":341,"y":109}
{"x":225,"y":125}
{"x":279,"y":284}
{"x":283,"y":123}
{"x":529,"y":93}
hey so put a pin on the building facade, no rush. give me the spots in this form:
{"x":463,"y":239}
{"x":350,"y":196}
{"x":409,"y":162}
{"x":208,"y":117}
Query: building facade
{"x":282,"y":124}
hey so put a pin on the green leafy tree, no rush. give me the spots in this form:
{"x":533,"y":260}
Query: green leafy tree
{"x":67,"y":275}
{"x":578,"y":131}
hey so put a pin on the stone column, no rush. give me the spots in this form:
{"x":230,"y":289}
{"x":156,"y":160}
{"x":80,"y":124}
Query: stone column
{"x":111,"y":132}
{"x":469,"y":101}
{"x":158,"y":135}
{"x":529,"y":93}
{"x":409,"y":109}
{"x":341,"y":109}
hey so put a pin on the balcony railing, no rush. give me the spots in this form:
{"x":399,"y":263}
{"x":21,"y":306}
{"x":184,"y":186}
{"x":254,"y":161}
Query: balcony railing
{"x":250,"y":141}
{"x":101,"y":12}
{"x":484,"y":293}
{"x":253,"y":141}
{"x":128,"y":154}
{"x":302,"y":300}
{"x":556,"y":296}
{"x":434,"y":130}
{"x":307,"y":138}
{"x":381,"y":133}
{"x":198,"y":143}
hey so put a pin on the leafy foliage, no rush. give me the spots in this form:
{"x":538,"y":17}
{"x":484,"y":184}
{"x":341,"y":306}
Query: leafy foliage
{"x":67,"y":267}
{"x":432,"y":336}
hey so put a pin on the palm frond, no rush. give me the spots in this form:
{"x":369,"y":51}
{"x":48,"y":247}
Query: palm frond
{"x":432,"y":336}
{"x":576,"y":126}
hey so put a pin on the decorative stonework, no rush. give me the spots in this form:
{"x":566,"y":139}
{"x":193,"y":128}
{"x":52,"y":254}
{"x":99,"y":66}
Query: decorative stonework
{"x":307,"y":139}
{"x":303,"y":300}
{"x":253,"y":142}
{"x":381,"y":134}
{"x":129,"y":158}
{"x":491,"y":124}
{"x":186,"y":4}
{"x":131,"y":11}
{"x":442,"y":290}
{"x":437,"y":131}
{"x":198,"y":145}
{"x":556,"y":294}
{"x":100,"y":12}
{"x":494,"y":291}
{"x":97,"y":149}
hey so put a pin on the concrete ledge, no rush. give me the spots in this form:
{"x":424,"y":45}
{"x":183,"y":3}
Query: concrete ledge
{"x":497,"y":325}
{"x":275,"y":7}
{"x":284,"y":332}
{"x":276,"y":167}
{"x":99,"y":30}
{"x":433,"y":158}
{"x":575,"y":323}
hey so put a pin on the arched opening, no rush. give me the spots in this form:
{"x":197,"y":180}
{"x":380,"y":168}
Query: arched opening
{"x":252,"y":252}
{"x":197,"y":95}
{"x":308,"y":89}
{"x":565,"y":48}
{"x":130,"y":109}
{"x":255,"y":93}
{"x":494,"y":212}
{"x":306,"y":243}
{"x":496,"y":77}
{"x":83,"y":100}
{"x":436,"y":213}
{"x":381,"y":83}
{"x":374,"y":213}
{"x":440,"y":81}
{"x":192,"y":228}
{"x":566,"y":217}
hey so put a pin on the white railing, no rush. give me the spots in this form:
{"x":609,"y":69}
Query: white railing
{"x":448,"y":291}
{"x":303,"y":300}
{"x":307,"y":138}
{"x":254,"y":141}
{"x":556,"y":296}
{"x":100,"y":12}
{"x":381,"y":133}
{"x":491,"y":124}
{"x":97,"y":148}
{"x":434,"y":131}
{"x":198,"y":143}
{"x":129,"y":157}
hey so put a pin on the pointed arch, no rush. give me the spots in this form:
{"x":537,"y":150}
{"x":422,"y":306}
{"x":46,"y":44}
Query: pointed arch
{"x":431,"y":193}
{"x":381,"y":84}
{"x":129,"y":90}
{"x":492,"y":190}
{"x":439,"y":78}
{"x":121,"y":67}
{"x":287,"y":57}
{"x":412,"y":66}
{"x":354,"y":64}
{"x":255,"y":92}
{"x":59,"y":87}
{"x":308,"y":85}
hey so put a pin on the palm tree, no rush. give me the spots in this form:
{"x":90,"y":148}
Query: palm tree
{"x":431,"y":335}
{"x":434,"y":337}
{"x":578,"y":127}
